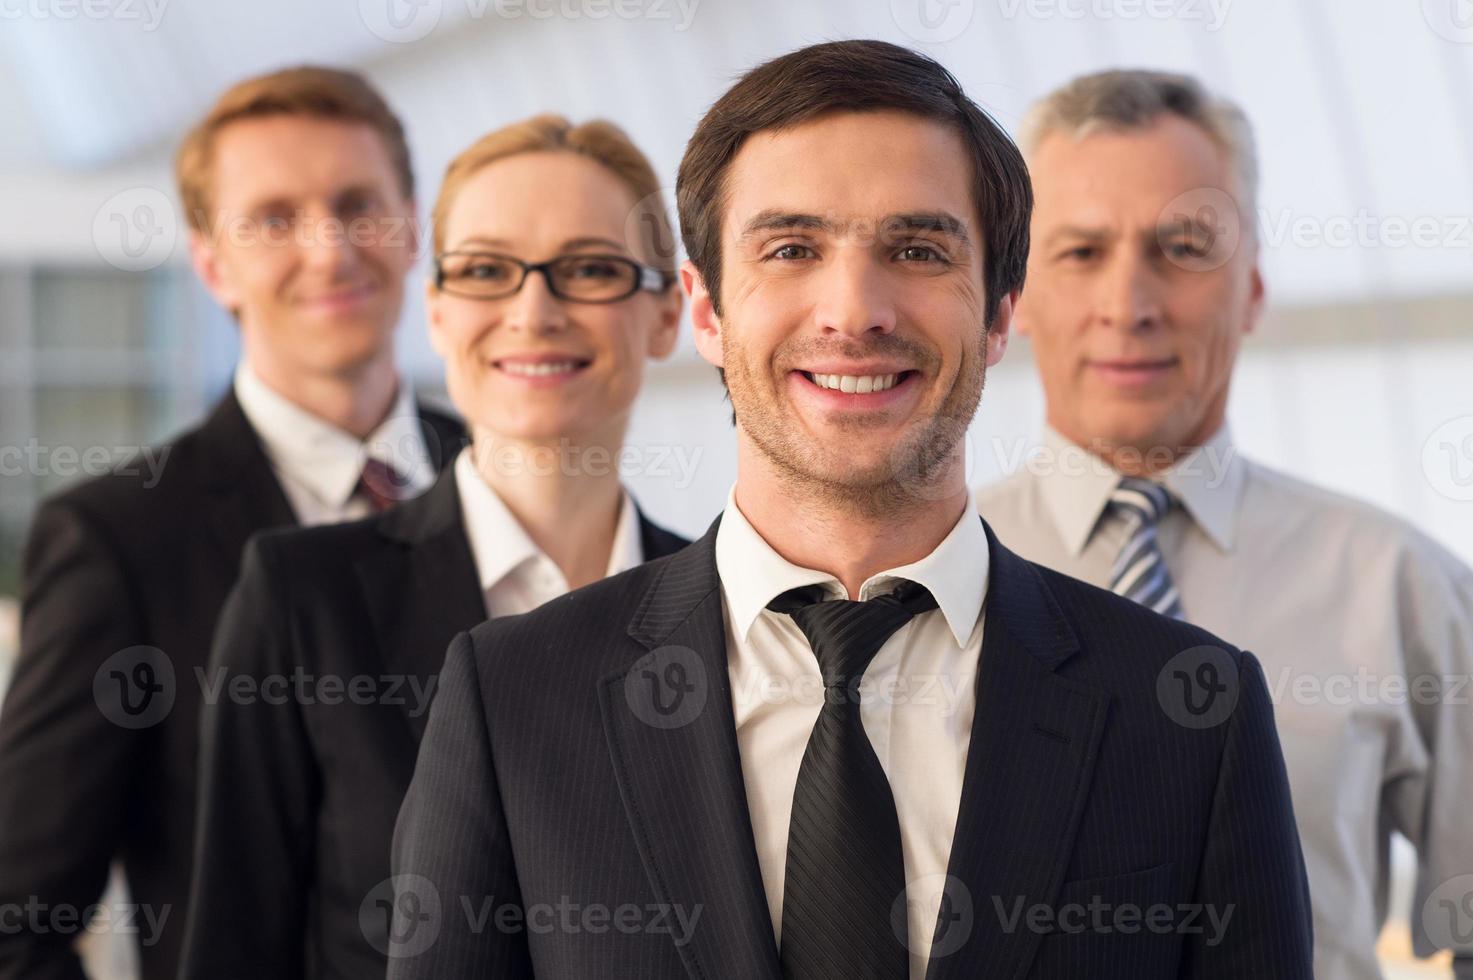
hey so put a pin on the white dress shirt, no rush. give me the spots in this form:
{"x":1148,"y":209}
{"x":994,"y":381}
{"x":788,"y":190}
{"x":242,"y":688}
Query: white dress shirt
{"x":516,"y":576}
{"x":1342,"y":604}
{"x":917,"y":700}
{"x":318,"y":464}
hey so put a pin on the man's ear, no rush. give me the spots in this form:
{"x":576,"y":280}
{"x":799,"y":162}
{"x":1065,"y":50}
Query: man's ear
{"x":702,"y":313}
{"x":1002,"y":327}
{"x":205,"y":258}
{"x":1255,"y":299}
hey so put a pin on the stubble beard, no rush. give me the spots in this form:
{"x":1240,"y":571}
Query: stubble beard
{"x":914,"y":473}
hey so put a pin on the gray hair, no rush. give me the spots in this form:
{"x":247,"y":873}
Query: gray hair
{"x":1133,"y":99}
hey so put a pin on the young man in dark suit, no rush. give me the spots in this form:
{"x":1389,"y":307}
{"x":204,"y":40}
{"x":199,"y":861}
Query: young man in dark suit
{"x":338,"y":632}
{"x":847,"y":734}
{"x":299,"y":195}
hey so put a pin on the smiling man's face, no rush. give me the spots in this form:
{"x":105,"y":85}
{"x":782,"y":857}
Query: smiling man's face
{"x":1136,"y":318}
{"x":851,"y":329}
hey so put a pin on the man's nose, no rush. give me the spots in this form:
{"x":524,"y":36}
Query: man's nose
{"x":855,"y":296}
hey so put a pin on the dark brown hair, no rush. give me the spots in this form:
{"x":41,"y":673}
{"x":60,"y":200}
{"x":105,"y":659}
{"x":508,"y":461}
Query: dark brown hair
{"x":856,"y":76}
{"x":321,"y":93}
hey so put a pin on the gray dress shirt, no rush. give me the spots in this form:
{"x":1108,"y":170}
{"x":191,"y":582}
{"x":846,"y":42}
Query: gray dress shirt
{"x":1364,"y":627}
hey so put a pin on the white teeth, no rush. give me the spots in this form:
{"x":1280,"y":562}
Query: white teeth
{"x":538,"y":370}
{"x":860,"y":384}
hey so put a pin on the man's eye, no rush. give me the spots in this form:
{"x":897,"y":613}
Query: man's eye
{"x":1186,"y":250}
{"x":357,"y":204}
{"x":919,"y":253}
{"x":791,"y":253}
{"x":1083,"y":253}
{"x":275,"y":222}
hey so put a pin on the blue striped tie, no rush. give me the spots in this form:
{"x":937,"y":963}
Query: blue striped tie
{"x":1140,"y":570}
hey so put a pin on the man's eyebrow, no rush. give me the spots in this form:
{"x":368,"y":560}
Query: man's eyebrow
{"x":937,"y":221}
{"x":775,"y":219}
{"x":1076,"y":231}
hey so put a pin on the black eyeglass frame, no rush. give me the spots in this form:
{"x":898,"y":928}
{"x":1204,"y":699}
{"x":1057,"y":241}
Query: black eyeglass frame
{"x":647,"y":278}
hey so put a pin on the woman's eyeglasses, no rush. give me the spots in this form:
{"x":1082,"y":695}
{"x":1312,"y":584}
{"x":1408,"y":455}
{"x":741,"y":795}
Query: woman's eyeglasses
{"x":575,"y":278}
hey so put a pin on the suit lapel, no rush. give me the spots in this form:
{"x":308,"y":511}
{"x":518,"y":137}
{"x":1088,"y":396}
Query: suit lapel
{"x":681,"y":778}
{"x":1034,"y":741}
{"x":422,"y":588}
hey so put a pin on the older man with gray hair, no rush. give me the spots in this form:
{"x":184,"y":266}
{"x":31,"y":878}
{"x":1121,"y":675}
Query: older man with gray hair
{"x":1142,"y":282}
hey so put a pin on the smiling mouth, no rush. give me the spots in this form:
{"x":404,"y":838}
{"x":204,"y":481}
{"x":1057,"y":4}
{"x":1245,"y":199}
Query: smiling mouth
{"x":542,"y":369}
{"x":858,"y":384}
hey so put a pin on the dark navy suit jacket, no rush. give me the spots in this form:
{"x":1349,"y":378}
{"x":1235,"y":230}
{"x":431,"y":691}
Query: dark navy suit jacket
{"x":578,"y":808}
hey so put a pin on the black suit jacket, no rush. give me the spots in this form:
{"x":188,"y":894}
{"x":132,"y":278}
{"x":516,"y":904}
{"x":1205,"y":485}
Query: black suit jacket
{"x":564,"y":783}
{"x":112,"y":564}
{"x":300,"y":786}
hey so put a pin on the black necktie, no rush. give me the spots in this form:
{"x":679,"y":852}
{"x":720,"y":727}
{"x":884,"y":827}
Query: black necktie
{"x":845,"y":869}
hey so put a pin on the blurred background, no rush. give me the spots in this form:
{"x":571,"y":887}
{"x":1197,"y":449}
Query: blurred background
{"x":1360,"y":379}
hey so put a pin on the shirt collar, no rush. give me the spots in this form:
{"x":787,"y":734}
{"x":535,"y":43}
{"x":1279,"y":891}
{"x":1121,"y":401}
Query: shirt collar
{"x":1208,"y":482}
{"x":499,"y":543}
{"x":327,"y":460}
{"x":753,"y":573}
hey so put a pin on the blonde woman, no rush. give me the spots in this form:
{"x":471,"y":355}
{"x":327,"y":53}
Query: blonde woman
{"x":545,"y":313}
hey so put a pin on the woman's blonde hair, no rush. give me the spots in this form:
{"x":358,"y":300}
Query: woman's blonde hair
{"x":600,"y":141}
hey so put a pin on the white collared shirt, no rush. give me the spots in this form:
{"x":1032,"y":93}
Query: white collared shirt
{"x":1344,"y":606}
{"x":917,"y":700}
{"x":516,"y":576}
{"x":318,"y":464}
